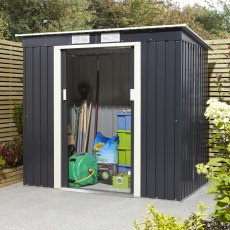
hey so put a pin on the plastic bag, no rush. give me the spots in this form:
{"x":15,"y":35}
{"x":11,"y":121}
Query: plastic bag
{"x":105,"y":149}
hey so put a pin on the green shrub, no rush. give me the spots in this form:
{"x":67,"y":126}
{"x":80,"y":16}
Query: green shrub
{"x":217,"y":170}
{"x":158,"y":221}
{"x":12,"y":153}
{"x":215,"y":224}
{"x":18,"y":117}
{"x":2,"y":163}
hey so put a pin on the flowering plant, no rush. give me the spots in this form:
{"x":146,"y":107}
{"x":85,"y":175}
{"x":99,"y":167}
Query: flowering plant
{"x":11,"y":153}
{"x":217,"y":170}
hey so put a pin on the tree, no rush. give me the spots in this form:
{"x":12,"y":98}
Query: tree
{"x":3,"y":26}
{"x":127,"y":13}
{"x":29,"y":16}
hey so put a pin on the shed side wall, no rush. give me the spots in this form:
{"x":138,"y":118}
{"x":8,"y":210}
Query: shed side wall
{"x":38,"y":119}
{"x":163,"y":69}
{"x":194,"y":127}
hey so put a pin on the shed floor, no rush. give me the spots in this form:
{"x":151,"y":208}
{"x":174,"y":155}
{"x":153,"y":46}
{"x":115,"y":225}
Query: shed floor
{"x":106,"y":187}
{"x":36,"y":208}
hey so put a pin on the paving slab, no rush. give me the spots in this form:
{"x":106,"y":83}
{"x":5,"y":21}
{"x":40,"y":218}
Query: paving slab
{"x":35,"y":208}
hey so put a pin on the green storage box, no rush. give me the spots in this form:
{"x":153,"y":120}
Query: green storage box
{"x":123,"y":181}
{"x":83,"y":170}
{"x":124,"y":156}
{"x":124,"y":138}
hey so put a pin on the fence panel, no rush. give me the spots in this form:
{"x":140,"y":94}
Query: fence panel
{"x":11,"y":86}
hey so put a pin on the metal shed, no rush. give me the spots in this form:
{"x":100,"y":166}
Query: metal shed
{"x":168,"y":69}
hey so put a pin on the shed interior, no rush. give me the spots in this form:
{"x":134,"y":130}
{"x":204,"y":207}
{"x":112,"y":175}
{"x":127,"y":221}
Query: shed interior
{"x":106,"y":76}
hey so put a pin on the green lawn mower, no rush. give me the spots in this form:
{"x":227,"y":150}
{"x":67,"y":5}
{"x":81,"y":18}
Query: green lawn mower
{"x":83,"y":170}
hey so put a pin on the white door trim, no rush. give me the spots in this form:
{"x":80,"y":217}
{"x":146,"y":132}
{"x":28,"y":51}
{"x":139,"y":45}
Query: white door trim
{"x":137,"y":109}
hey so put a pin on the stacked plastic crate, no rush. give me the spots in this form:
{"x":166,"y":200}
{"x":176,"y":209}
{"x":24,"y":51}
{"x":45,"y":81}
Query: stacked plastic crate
{"x":124,"y":149}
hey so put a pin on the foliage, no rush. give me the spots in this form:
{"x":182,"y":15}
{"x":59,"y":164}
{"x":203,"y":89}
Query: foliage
{"x":217,"y":18}
{"x":217,"y":170}
{"x":158,"y":221}
{"x":12,"y":153}
{"x":129,"y":13}
{"x":18,"y":117}
{"x":215,"y":224}
{"x":2,"y":163}
{"x":29,"y":16}
{"x":3,"y":25}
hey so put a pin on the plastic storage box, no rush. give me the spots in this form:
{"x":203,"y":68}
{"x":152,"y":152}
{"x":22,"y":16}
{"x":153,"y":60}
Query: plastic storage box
{"x":123,"y":181}
{"x":124,"y":139}
{"x":124,"y":156}
{"x":124,"y":168}
{"x":124,"y":120}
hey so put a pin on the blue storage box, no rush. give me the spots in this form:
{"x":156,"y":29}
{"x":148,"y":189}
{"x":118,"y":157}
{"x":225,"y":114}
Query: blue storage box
{"x":124,"y":168}
{"x":124,"y":121}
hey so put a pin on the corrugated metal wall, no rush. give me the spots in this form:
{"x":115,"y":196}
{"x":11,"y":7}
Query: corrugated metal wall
{"x":194,"y":126}
{"x":174,"y":132}
{"x":114,"y":73}
{"x":38,"y":117}
{"x":162,"y":61}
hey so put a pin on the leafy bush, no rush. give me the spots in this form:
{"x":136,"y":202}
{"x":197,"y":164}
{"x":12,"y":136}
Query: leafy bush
{"x":217,"y":170}
{"x":215,"y":224}
{"x":11,"y":153}
{"x":2,"y":163}
{"x":158,"y":221}
{"x":18,"y":117}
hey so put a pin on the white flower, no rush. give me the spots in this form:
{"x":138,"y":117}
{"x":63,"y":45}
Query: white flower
{"x":217,"y":111}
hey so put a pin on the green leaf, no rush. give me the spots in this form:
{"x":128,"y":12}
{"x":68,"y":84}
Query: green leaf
{"x":214,"y":138}
{"x":215,"y":160}
{"x":225,"y":200}
{"x":212,"y":190}
{"x":228,"y":147}
{"x":219,"y":125}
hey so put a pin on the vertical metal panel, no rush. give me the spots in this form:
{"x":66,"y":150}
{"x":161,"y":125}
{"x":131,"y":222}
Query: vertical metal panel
{"x":38,"y":102}
{"x":25,"y":171}
{"x":37,"y":115}
{"x":50,"y":115}
{"x":64,"y":128}
{"x":194,"y":129}
{"x":151,"y":120}
{"x":44,"y":118}
{"x":170,"y":120}
{"x":160,"y":119}
{"x":179,"y":97}
{"x":29,"y":131}
{"x":144,"y":103}
{"x":131,"y":71}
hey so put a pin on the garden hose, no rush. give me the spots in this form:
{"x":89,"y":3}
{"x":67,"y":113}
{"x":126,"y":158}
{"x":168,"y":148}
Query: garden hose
{"x":91,"y":174}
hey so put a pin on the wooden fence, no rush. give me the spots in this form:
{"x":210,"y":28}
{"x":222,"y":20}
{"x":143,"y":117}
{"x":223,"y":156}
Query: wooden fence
{"x":218,"y":64}
{"x":11,"y":86}
{"x":11,"y":79}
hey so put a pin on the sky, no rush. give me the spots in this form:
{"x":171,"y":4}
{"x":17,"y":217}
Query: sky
{"x":192,"y":2}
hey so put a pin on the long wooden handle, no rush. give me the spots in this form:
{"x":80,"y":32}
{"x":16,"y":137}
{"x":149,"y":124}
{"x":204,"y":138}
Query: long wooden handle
{"x":89,"y":119}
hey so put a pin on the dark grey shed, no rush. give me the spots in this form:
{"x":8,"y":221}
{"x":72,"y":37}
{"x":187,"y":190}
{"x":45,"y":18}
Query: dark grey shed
{"x":174,"y":90}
